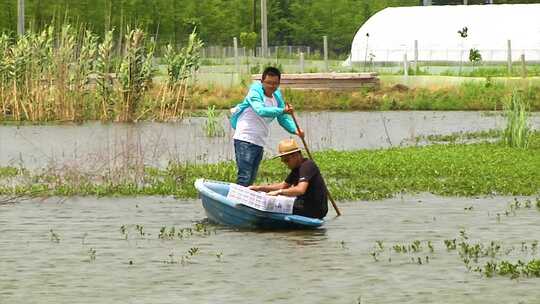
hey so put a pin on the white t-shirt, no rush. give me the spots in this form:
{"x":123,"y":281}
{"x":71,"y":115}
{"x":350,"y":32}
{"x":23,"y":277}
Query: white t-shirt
{"x":252,"y":127}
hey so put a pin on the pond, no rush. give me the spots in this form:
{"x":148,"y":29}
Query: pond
{"x":96,"y":145}
{"x":110,"y":250}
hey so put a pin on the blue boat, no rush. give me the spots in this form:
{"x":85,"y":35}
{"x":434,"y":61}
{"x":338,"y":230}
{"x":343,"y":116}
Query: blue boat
{"x":221,"y":210}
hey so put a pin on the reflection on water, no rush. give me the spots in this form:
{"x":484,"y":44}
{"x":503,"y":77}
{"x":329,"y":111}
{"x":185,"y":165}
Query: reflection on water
{"x":95,"y":145}
{"x":329,"y":265}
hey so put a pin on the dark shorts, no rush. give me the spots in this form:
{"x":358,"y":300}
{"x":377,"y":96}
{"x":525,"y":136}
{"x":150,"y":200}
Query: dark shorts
{"x":299,"y":208}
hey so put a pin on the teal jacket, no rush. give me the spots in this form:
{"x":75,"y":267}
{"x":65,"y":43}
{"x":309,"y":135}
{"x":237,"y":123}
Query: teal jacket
{"x":255,"y":100}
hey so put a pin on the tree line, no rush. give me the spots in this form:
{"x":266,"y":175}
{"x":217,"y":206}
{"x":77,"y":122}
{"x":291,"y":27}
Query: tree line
{"x":290,"y":22}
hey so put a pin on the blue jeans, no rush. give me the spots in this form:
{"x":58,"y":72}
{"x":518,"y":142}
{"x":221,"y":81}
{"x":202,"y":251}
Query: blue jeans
{"x":248,"y":158}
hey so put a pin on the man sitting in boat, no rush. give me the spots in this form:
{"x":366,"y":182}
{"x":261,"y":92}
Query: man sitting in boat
{"x":305,"y":182}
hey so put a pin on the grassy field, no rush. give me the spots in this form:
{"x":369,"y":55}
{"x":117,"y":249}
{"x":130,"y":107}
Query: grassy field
{"x":466,"y":96}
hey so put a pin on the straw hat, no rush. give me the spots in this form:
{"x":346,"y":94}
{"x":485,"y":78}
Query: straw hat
{"x":286,"y":147}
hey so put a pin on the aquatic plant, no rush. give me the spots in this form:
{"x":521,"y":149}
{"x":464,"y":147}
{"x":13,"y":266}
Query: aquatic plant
{"x":517,"y":131}
{"x":104,"y":79}
{"x":212,"y":125}
{"x":53,"y":236}
{"x":181,"y":69}
{"x":450,"y":244}
{"x":135,"y":72}
{"x":92,"y":254}
{"x":490,"y":168}
{"x":140,"y":229}
{"x":124,"y":231}
{"x":513,"y":270}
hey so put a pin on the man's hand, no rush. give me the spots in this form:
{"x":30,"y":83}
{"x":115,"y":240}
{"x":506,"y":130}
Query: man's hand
{"x":275,"y":192}
{"x":300,"y":133}
{"x":255,"y":188}
{"x":288,"y":109}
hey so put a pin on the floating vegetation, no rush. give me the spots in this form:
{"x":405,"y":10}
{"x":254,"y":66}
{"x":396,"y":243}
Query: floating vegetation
{"x":484,"y":258}
{"x":54,"y":237}
{"x":462,"y":136}
{"x":219,"y":255}
{"x":516,"y":205}
{"x":450,"y":244}
{"x":489,"y":168}
{"x":173,"y":233}
{"x":124,"y":232}
{"x":184,"y":259}
{"x":411,"y":250}
{"x":92,"y":254}
{"x":140,"y":229}
{"x":513,"y":270}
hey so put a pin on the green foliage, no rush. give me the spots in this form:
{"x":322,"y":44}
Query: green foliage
{"x":475,"y":56}
{"x":517,"y":131}
{"x":292,"y":22}
{"x":212,"y":126}
{"x":135,"y":73}
{"x":248,"y":40}
{"x":448,"y":169}
{"x":104,"y":67}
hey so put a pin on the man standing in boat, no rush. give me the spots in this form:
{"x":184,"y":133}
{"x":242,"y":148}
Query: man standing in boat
{"x":305,"y":182}
{"x":251,"y":121}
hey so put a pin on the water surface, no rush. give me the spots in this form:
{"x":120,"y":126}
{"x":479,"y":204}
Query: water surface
{"x":95,"y":145}
{"x":330,"y":265}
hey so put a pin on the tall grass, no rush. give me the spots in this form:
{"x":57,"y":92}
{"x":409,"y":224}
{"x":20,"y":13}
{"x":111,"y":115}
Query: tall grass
{"x":67,"y":74}
{"x":104,"y":79}
{"x":135,"y":74}
{"x":181,"y":68}
{"x":517,"y":132}
{"x":212,"y":126}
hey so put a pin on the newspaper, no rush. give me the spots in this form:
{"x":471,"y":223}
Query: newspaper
{"x":260,"y":200}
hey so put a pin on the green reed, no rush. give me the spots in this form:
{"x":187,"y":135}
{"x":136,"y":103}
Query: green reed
{"x":517,"y":130}
{"x":212,"y":125}
{"x":135,"y":72}
{"x":181,"y":68}
{"x":66,"y":74}
{"x":104,"y":80}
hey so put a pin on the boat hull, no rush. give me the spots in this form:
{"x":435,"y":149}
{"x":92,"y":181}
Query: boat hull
{"x":221,"y":210}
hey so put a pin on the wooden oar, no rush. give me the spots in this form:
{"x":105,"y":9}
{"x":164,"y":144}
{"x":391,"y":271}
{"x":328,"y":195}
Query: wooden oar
{"x":309,"y":154}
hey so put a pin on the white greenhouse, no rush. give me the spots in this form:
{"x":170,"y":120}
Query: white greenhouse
{"x":431,"y":33}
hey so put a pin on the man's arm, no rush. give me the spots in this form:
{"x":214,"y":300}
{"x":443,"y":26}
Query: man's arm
{"x":257,"y":104}
{"x":297,"y":190}
{"x":271,"y":187}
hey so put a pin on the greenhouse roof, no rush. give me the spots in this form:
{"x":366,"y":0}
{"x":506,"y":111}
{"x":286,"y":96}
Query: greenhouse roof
{"x":392,"y":32}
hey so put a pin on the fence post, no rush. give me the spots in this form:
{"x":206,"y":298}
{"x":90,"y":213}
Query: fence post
{"x":224,"y":56}
{"x":264,"y":29}
{"x":509,"y":58}
{"x":325,"y":47}
{"x":415,"y":57}
{"x":523,"y":66}
{"x":308,"y":51}
{"x":20,"y":17}
{"x":301,"y":62}
{"x":236,"y":62}
{"x":405,"y":65}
